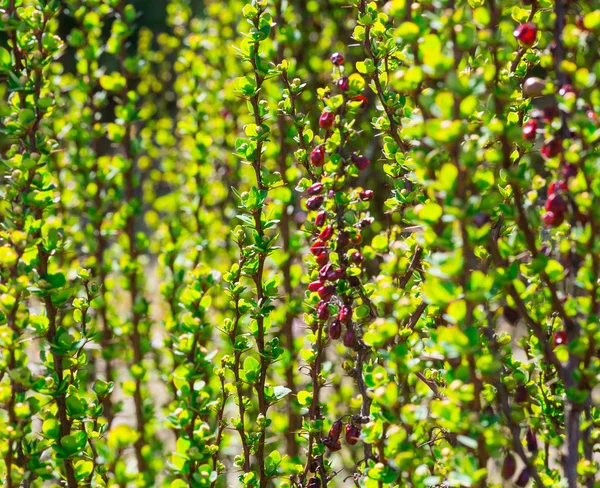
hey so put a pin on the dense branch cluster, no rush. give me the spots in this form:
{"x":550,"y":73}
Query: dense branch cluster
{"x":299,"y":243}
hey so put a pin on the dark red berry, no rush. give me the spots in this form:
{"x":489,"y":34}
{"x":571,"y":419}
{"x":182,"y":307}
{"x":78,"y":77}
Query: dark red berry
{"x":531,"y":440}
{"x":363,"y":100}
{"x":326,"y":292}
{"x":345,"y":314}
{"x":530,"y":130}
{"x":557,"y":187}
{"x":324,"y":271}
{"x":521,"y":394}
{"x":553,"y":220}
{"x":322,"y":258}
{"x":336,"y":429}
{"x":344,"y":84}
{"x":337,"y":59}
{"x":523,"y":478}
{"x":366,"y":195}
{"x":326,"y":120}
{"x":318,"y":247}
{"x":565,"y":90}
{"x":552,"y":148}
{"x":511,"y":315}
{"x":356,"y":238}
{"x":356,"y":257}
{"x":314,"y":286}
{"x":360,"y":161}
{"x":526,"y":34}
{"x":320,"y":218}
{"x":509,"y":467}
{"x":349,"y":338}
{"x":352,"y":434}
{"x":335,"y":274}
{"x":559,"y":338}
{"x":335,"y":330}
{"x":317,"y":156}
{"x":579,"y":22}
{"x":313,"y":203}
{"x":314,"y":483}
{"x":569,"y":171}
{"x":326,"y":233}
{"x":323,"y":312}
{"x":556,"y":203}
{"x":343,"y":239}
{"x":332,"y":444}
{"x":315,"y":189}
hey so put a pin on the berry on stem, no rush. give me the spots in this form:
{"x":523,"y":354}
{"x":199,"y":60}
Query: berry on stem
{"x":314,"y":203}
{"x":317,"y":156}
{"x":326,"y":120}
{"x":526,"y":34}
{"x":530,"y":130}
{"x":344,"y":83}
{"x":335,"y":330}
{"x":352,"y":434}
{"x":509,"y":467}
{"x":337,"y":59}
{"x":360,"y":162}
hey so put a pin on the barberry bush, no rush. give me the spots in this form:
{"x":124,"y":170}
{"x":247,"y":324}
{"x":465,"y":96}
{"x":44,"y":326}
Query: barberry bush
{"x":300,"y":243}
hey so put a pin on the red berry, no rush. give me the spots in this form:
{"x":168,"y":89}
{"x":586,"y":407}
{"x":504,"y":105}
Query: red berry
{"x":313,"y":203}
{"x":556,"y":203}
{"x":565,"y":89}
{"x":557,"y":186}
{"x":318,"y":247}
{"x":326,"y":120}
{"x":357,"y":258}
{"x":552,"y":148}
{"x":324,"y":271}
{"x":553,"y":220}
{"x":315,"y":189}
{"x":523,"y":478}
{"x":335,"y":330}
{"x":531,"y":440}
{"x":360,"y":162}
{"x":322,"y":258}
{"x":356,"y":239}
{"x":345,"y":314}
{"x":326,"y":233}
{"x":559,"y":338}
{"x":343,"y":239}
{"x":352,"y":434}
{"x":509,"y":467}
{"x":363,"y":100}
{"x":336,"y":429}
{"x":323,"y":312}
{"x":522,"y":394}
{"x":349,"y":338}
{"x":530,"y":130}
{"x":344,"y":83}
{"x":366,"y":195}
{"x":526,"y":34}
{"x":314,"y":286}
{"x":317,"y":156}
{"x":326,"y":292}
{"x":314,"y":483}
{"x":335,"y":274}
{"x":569,"y":171}
{"x":332,"y":445}
{"x":320,"y":218}
{"x":337,"y":59}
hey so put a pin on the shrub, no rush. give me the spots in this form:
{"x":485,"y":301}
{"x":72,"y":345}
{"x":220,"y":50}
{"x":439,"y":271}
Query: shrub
{"x":299,"y":244}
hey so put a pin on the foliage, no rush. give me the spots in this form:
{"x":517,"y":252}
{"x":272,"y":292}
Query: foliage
{"x":300,"y":243}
